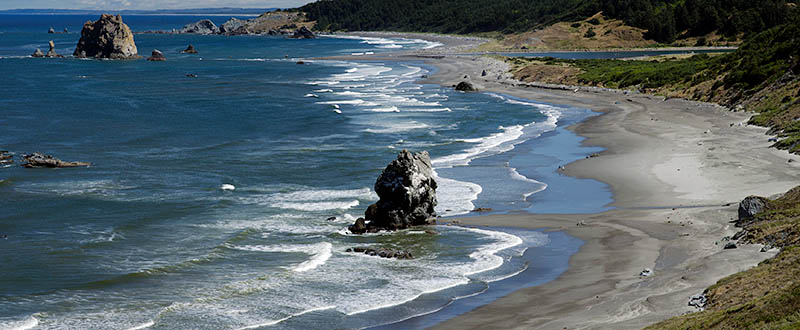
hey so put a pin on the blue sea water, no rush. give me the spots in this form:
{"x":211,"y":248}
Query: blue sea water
{"x":146,"y":237}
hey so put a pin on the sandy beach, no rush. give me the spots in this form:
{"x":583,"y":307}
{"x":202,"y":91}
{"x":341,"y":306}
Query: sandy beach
{"x":677,"y":170}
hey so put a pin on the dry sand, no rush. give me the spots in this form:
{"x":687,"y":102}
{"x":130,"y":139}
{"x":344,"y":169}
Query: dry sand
{"x":677,"y":170}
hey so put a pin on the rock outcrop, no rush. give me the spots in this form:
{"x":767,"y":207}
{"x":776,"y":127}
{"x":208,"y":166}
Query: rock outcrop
{"x":750,"y":206}
{"x":157,"y":56}
{"x":466,"y":86}
{"x":51,"y":30}
{"x":36,"y":160}
{"x":383,"y":253}
{"x":234,"y":26}
{"x":189,"y":50}
{"x":407,"y":193}
{"x":37,"y":53}
{"x":205,"y":26}
{"x":108,"y":38}
{"x":303,"y":33}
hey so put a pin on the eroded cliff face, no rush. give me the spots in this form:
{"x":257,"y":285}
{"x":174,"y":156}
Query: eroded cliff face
{"x":107,"y":38}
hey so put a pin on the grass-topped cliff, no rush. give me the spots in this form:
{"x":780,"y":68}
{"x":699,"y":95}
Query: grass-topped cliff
{"x":662,"y":20}
{"x":766,"y":296}
{"x":763,"y":75}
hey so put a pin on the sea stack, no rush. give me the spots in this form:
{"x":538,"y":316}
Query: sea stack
{"x":407,"y":193}
{"x":107,"y":38}
{"x":189,"y":50}
{"x":157,"y":56}
{"x":52,"y":52}
{"x":37,"y":53}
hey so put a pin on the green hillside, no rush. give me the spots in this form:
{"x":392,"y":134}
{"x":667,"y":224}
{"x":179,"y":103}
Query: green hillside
{"x":666,"y":20}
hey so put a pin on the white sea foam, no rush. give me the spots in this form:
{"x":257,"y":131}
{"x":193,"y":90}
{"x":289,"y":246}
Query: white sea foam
{"x":320,"y":253}
{"x":396,"y":127}
{"x":317,"y":206}
{"x":386,"y":109}
{"x":28,"y":323}
{"x":143,"y":325}
{"x":455,"y":197}
{"x":274,"y":322}
{"x":496,"y":143}
{"x":486,"y":257}
{"x":516,"y":176}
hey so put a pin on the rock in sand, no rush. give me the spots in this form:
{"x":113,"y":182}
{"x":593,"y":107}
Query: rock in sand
{"x":108,"y":38}
{"x":466,"y":86}
{"x":750,"y":206}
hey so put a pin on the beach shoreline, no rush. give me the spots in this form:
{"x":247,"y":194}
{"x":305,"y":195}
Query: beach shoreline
{"x":677,"y":170}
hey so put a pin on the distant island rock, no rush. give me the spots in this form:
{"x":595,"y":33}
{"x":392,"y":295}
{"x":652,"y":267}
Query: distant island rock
{"x":37,"y":53}
{"x":205,"y":26}
{"x":271,"y":23}
{"x":189,"y":50}
{"x":107,"y":38}
{"x":157,"y":56}
{"x":407,"y":193}
{"x":37,"y":160}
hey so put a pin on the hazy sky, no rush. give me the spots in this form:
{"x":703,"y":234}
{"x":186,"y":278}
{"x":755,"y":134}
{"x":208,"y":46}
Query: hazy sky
{"x":147,"y":4}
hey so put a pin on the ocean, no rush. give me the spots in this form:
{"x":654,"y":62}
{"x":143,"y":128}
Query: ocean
{"x":146,"y":237}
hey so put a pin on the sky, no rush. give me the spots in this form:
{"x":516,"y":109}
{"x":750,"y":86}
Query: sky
{"x":147,"y":4}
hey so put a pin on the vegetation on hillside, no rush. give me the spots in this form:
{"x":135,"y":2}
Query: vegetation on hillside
{"x":665,"y":20}
{"x":763,"y":75}
{"x":766,"y":296}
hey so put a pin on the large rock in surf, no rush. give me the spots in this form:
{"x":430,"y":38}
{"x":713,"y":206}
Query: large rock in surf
{"x":157,"y":56}
{"x":407,"y":193}
{"x":466,"y":86}
{"x":108,"y":38}
{"x":37,"y":53}
{"x":750,"y":206}
{"x":36,"y":159}
{"x":303,"y":33}
{"x":205,"y":26}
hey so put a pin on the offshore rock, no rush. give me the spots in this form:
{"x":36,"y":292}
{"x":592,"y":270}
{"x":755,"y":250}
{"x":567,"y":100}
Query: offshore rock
{"x":189,"y":50}
{"x":52,"y":52}
{"x":407,"y":193}
{"x":36,"y":160}
{"x":51,"y":31}
{"x":108,"y":38}
{"x":37,"y":53}
{"x":750,"y":206}
{"x":157,"y":56}
{"x":205,"y":26}
{"x":466,"y":87}
{"x":303,"y":33}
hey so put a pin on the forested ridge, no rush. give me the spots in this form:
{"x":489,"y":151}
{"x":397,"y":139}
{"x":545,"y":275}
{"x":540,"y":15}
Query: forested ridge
{"x":665,"y":20}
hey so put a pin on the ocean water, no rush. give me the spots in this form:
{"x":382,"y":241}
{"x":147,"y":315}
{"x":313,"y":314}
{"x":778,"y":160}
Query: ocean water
{"x":146,"y":237}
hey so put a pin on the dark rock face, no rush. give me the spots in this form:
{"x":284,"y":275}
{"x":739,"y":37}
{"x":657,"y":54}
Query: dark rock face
{"x":36,"y":159}
{"x":466,"y":87}
{"x":303,"y":33}
{"x":407,"y":194}
{"x":37,"y":53}
{"x":750,"y":206}
{"x":157,"y":56}
{"x":108,"y":38}
{"x":359,"y":227}
{"x":730,"y":245}
{"x":200,"y":27}
{"x":189,"y":50}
